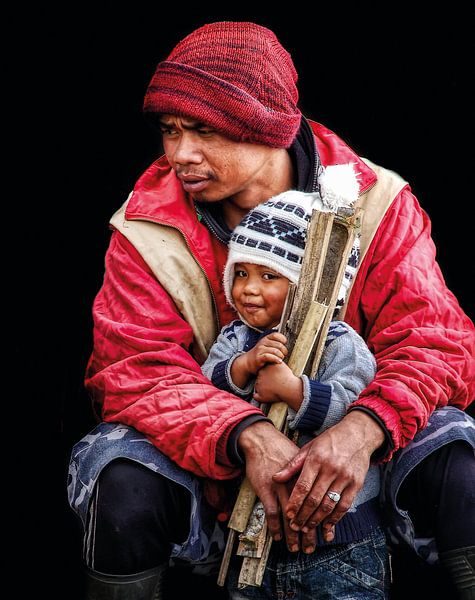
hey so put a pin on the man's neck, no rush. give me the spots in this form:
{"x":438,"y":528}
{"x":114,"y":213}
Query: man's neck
{"x":278,"y":178}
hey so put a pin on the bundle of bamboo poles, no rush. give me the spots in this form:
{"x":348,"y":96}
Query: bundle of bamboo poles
{"x":307,"y":315}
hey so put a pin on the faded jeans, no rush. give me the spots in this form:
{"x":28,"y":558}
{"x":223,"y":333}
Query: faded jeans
{"x":355,"y":571}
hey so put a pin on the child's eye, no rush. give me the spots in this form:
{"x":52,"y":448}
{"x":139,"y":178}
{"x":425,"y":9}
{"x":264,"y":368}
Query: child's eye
{"x":240,"y":273}
{"x":269,"y":276}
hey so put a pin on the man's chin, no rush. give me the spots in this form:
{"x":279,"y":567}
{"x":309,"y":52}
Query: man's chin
{"x":205,"y":198}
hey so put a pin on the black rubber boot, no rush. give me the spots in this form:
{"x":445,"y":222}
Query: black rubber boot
{"x":460,"y":565}
{"x":147,"y":585}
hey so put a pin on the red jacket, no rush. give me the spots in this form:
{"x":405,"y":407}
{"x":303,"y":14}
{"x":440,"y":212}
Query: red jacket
{"x":141,"y":372}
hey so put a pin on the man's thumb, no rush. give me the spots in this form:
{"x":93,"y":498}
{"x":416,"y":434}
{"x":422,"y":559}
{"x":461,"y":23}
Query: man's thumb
{"x":291,"y":469}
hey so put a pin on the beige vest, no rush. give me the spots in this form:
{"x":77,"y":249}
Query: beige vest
{"x":165,"y":251}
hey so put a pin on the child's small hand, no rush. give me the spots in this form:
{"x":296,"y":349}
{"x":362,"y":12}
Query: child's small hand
{"x":277,"y":383}
{"x":271,"y":349}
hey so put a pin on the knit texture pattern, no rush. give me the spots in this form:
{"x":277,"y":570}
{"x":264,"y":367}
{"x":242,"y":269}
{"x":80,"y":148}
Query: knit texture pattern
{"x":273,"y":235}
{"x":233,"y":76}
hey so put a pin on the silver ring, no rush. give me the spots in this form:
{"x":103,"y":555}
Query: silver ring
{"x":335,"y":496}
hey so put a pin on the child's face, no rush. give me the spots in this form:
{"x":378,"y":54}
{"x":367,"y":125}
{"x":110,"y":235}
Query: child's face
{"x":259,"y":294}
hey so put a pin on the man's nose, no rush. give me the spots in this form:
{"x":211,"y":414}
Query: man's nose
{"x":187,"y":150}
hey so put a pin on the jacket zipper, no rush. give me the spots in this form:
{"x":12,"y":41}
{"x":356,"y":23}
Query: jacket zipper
{"x":316,"y":161}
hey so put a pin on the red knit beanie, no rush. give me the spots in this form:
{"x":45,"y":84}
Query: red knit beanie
{"x":234,"y":77}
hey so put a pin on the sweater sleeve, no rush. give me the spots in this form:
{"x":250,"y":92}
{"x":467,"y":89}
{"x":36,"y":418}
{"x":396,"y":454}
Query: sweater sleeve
{"x":217,"y":367}
{"x":346,"y":369}
{"x":423,"y":342}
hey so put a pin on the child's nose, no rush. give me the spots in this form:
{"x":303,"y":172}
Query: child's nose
{"x":251,"y":287}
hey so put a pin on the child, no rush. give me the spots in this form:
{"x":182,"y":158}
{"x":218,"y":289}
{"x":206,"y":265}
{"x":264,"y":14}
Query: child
{"x":265,"y":254}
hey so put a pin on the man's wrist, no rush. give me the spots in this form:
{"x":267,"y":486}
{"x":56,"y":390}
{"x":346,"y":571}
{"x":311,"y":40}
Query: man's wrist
{"x":373,"y":433}
{"x":254,"y":437}
{"x":227,"y":449}
{"x":384,"y":449}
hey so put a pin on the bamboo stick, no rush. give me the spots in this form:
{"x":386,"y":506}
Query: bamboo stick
{"x":329,"y":241}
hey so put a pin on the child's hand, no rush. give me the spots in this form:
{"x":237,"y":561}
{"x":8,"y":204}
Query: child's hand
{"x":271,"y":349}
{"x":277,"y":383}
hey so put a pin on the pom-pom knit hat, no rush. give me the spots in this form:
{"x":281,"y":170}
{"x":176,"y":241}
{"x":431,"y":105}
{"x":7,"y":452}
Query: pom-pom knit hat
{"x":273,"y":235}
{"x":233,"y":76}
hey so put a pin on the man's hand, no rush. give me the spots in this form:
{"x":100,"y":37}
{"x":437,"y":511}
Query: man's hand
{"x":337,"y":460}
{"x":266,"y":451}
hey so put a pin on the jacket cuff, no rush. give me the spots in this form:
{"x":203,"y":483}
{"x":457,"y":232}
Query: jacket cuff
{"x":384,"y":452}
{"x":314,"y":407}
{"x":227,"y":450}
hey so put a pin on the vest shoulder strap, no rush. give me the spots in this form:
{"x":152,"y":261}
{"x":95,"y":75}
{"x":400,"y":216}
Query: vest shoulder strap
{"x":374,"y":204}
{"x":376,"y":201}
{"x":165,"y":251}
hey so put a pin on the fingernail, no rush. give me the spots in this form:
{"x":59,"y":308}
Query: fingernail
{"x":294,"y":548}
{"x":309,"y":549}
{"x":277,"y":537}
{"x":290,"y":515}
{"x":305,"y":529}
{"x":294,"y":526}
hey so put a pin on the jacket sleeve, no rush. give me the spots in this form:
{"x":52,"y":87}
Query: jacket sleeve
{"x":141,"y":371}
{"x":423,"y":342}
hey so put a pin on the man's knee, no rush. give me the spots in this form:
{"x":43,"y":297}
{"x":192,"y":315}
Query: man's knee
{"x":131,"y":497}
{"x":136,"y":516}
{"x":124,"y":496}
{"x":440,"y":496}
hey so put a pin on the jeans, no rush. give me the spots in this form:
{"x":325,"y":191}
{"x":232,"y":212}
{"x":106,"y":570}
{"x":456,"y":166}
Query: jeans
{"x":355,"y":571}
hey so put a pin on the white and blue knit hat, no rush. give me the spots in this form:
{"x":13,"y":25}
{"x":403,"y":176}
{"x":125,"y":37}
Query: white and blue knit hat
{"x":273,"y":234}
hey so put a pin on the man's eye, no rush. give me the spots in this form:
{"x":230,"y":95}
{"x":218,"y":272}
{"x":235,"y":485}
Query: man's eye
{"x":167,"y":130}
{"x":205,"y":131}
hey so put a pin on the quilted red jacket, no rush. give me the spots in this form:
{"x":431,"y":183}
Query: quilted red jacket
{"x":141,"y":372}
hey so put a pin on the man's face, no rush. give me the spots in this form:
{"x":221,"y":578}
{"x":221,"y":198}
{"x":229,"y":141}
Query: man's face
{"x":210,"y":166}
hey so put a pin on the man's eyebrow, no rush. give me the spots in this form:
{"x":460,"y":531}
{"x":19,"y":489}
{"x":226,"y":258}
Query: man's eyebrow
{"x":190,"y":125}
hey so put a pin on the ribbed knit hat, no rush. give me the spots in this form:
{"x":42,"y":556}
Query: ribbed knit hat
{"x":233,"y":76}
{"x":273,"y":235}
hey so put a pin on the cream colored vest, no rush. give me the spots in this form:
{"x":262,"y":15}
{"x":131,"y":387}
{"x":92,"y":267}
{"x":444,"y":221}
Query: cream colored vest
{"x":165,"y":251}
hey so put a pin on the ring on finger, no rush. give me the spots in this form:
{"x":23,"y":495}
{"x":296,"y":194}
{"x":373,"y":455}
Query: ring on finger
{"x":335,"y":496}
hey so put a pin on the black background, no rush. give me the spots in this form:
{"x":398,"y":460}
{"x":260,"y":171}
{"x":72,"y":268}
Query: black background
{"x":394,"y":85}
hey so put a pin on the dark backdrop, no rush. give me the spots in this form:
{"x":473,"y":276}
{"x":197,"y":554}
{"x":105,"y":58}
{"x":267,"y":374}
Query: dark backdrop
{"x":393,"y":85}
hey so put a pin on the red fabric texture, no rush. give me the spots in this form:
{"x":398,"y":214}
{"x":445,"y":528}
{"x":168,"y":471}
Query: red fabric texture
{"x":141,"y":372}
{"x":233,"y":76}
{"x":423,"y":342}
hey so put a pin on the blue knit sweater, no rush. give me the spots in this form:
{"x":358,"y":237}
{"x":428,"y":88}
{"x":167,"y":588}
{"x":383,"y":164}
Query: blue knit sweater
{"x":346,"y":368}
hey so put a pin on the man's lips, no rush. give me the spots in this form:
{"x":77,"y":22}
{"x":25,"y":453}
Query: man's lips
{"x":193,"y":183}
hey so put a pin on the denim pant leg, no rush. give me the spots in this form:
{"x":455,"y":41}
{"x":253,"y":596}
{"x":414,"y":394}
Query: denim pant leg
{"x":356,"y":571}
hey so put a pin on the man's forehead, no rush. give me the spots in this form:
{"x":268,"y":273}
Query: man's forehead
{"x":189,"y":122}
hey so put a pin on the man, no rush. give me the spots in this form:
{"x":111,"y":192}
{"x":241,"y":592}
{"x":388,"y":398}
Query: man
{"x":225,"y":101}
